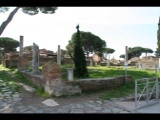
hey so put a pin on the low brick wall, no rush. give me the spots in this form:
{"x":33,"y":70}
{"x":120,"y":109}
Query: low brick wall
{"x":101,"y":83}
{"x":85,"y":84}
{"x":35,"y":79}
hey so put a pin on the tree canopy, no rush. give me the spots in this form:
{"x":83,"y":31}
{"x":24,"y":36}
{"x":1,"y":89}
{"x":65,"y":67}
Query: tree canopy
{"x":8,"y":45}
{"x":28,"y":48}
{"x":26,"y":10}
{"x":108,"y":50}
{"x":147,"y":50}
{"x":90,"y":43}
{"x":136,"y":52}
{"x":157,"y":53}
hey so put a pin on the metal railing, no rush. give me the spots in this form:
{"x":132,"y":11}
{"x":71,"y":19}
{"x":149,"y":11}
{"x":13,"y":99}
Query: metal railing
{"x":146,"y":92}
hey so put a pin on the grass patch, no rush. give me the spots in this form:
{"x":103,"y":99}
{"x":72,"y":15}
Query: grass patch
{"x":94,"y":72}
{"x":13,"y":78}
{"x":7,"y":81}
{"x":119,"y":91}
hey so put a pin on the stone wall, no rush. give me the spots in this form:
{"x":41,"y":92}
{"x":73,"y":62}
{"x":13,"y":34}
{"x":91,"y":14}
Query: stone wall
{"x":54,"y":85}
{"x":101,"y":83}
{"x":11,"y":60}
{"x":10,"y":63}
{"x":35,"y":79}
{"x":68,"y":60}
{"x":84,"y":84}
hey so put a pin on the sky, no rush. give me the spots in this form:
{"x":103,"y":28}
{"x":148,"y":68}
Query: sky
{"x":118,"y":26}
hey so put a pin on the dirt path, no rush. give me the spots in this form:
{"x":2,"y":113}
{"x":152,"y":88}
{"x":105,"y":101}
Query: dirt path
{"x":31,"y":98}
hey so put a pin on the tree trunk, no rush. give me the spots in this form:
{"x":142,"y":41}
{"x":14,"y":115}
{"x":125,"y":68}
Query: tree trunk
{"x":5,"y":23}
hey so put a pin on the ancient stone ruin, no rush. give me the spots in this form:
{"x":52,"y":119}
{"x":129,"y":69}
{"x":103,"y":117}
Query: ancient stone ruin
{"x":35,"y":59}
{"x":53,"y":84}
{"x":50,"y":77}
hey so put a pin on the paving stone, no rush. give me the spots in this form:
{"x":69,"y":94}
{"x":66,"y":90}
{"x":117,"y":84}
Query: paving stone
{"x":23,"y":110}
{"x":77,"y":111}
{"x":20,"y":107}
{"x":6,"y":95}
{"x":116,"y":110}
{"x":17,"y":99}
{"x":106,"y":101}
{"x":15,"y":95}
{"x":97,"y":108}
{"x":72,"y":106}
{"x":63,"y":110}
{"x":54,"y":111}
{"x":47,"y":110}
{"x":11,"y":105}
{"x":91,"y":111}
{"x":91,"y":102}
{"x":9,"y":92}
{"x":106,"y":110}
{"x":3,"y":104}
{"x":7,"y":111}
{"x":90,"y":105}
{"x":1,"y":97}
{"x":34,"y":109}
{"x":66,"y":107}
{"x":99,"y":102}
{"x":39,"y":111}
{"x":121,"y":99}
{"x":123,"y":112}
{"x":9,"y":100}
{"x":29,"y":112}
{"x":79,"y":106}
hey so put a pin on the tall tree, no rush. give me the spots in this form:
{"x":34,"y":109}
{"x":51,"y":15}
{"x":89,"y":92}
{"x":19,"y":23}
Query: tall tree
{"x":147,"y":50}
{"x":79,"y":58}
{"x":158,"y":39}
{"x":108,"y":51}
{"x":8,"y":45}
{"x":90,"y":43}
{"x":26,"y":10}
{"x":136,"y":52}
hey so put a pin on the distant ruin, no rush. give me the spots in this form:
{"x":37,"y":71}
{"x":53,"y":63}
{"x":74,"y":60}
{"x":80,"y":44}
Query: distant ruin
{"x":11,"y":60}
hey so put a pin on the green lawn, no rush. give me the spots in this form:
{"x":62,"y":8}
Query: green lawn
{"x":94,"y":72}
{"x":129,"y":88}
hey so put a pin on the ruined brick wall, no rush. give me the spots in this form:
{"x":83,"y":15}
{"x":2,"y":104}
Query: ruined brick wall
{"x":45,"y":59}
{"x":53,"y":85}
{"x":68,"y":61}
{"x":12,"y":60}
{"x":101,"y":83}
{"x":35,"y":79}
{"x":26,"y":60}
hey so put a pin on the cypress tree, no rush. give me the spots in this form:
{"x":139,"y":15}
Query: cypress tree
{"x":157,"y":52}
{"x":80,"y":70}
{"x":158,"y":38}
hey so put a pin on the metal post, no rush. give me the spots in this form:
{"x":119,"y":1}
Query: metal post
{"x":157,"y":90}
{"x":126,"y":62}
{"x":147,"y":90}
{"x":136,"y":94}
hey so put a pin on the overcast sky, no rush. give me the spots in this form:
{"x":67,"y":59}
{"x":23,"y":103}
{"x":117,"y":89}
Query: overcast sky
{"x":118,"y":26}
